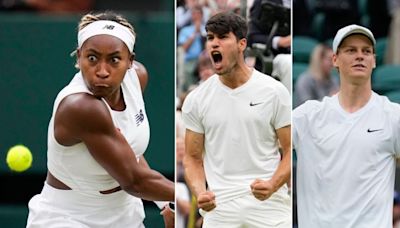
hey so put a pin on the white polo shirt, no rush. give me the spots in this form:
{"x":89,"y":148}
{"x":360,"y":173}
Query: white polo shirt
{"x":239,"y":127}
{"x":346,"y":163}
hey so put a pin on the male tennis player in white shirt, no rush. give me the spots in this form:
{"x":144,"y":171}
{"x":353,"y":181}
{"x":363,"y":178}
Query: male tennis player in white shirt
{"x":347,"y":144}
{"x":233,"y":123}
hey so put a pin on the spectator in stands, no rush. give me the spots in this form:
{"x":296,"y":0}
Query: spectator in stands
{"x":282,"y":70}
{"x":184,"y":13}
{"x":217,"y":6}
{"x":318,"y":81}
{"x":269,"y":27}
{"x":191,"y":39}
{"x":261,"y":25}
{"x":98,"y":133}
{"x":205,"y":68}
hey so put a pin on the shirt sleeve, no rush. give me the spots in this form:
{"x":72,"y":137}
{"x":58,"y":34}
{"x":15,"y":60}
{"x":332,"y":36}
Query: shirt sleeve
{"x":275,"y":41}
{"x":191,"y":115}
{"x":301,"y":124}
{"x":283,"y":108}
{"x":295,"y":134}
{"x":397,"y":133}
{"x":397,"y":141}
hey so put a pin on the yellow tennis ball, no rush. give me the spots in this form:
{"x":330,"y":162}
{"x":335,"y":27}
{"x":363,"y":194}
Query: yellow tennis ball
{"x":19,"y":158}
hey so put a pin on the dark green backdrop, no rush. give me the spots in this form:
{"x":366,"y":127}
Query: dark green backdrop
{"x":35,"y":65}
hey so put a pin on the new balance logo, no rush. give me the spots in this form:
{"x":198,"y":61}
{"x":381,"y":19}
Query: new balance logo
{"x":139,"y":118}
{"x":109,"y":27}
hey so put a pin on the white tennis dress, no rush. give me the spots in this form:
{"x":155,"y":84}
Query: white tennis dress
{"x":346,"y":163}
{"x":84,"y":205}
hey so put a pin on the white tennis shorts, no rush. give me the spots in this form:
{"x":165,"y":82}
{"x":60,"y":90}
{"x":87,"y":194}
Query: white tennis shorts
{"x":67,"y":208}
{"x":249,"y":212}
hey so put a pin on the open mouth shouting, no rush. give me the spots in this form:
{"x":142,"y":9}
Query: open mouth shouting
{"x":217,"y":59}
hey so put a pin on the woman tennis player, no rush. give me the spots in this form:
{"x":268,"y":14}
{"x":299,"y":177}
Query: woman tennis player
{"x":97,"y":135}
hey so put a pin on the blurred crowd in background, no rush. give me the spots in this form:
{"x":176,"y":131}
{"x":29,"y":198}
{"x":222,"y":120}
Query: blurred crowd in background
{"x":315,"y":23}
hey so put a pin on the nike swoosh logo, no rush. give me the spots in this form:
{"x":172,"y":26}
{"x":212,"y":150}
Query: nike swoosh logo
{"x":254,"y":104}
{"x":369,"y":130}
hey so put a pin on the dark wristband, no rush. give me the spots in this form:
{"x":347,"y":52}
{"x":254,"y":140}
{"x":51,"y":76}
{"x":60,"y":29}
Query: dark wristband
{"x":171,"y":206}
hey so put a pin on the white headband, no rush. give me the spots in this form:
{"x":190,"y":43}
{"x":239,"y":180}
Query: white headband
{"x":109,"y":28}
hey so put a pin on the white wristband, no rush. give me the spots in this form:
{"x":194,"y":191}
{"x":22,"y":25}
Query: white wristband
{"x":161,"y":204}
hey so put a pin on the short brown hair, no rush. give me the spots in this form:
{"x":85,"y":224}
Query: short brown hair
{"x":225,"y":22}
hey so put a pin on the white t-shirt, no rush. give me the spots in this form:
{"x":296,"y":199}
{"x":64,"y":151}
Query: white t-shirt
{"x":74,"y":165}
{"x":239,"y":127}
{"x":346,"y":163}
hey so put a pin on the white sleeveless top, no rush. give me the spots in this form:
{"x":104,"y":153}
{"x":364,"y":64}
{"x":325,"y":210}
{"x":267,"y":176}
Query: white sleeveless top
{"x":74,"y":165}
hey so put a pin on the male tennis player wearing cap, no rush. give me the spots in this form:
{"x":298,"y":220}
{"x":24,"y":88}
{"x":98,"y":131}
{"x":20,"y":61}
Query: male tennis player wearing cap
{"x":234,"y":121}
{"x":347,"y":144}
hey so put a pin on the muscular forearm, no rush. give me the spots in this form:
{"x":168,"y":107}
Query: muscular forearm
{"x":263,"y":189}
{"x":151,"y":186}
{"x":194,"y":175}
{"x":282,"y":173}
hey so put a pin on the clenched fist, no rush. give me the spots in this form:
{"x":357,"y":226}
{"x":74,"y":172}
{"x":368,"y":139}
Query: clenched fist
{"x":262,"y":189}
{"x":206,"y":201}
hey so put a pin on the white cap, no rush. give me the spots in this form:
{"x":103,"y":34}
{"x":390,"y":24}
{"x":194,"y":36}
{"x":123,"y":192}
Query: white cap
{"x":350,"y":30}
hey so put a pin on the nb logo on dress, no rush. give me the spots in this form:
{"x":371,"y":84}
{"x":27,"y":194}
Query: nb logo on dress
{"x":109,"y":27}
{"x":139,"y":117}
